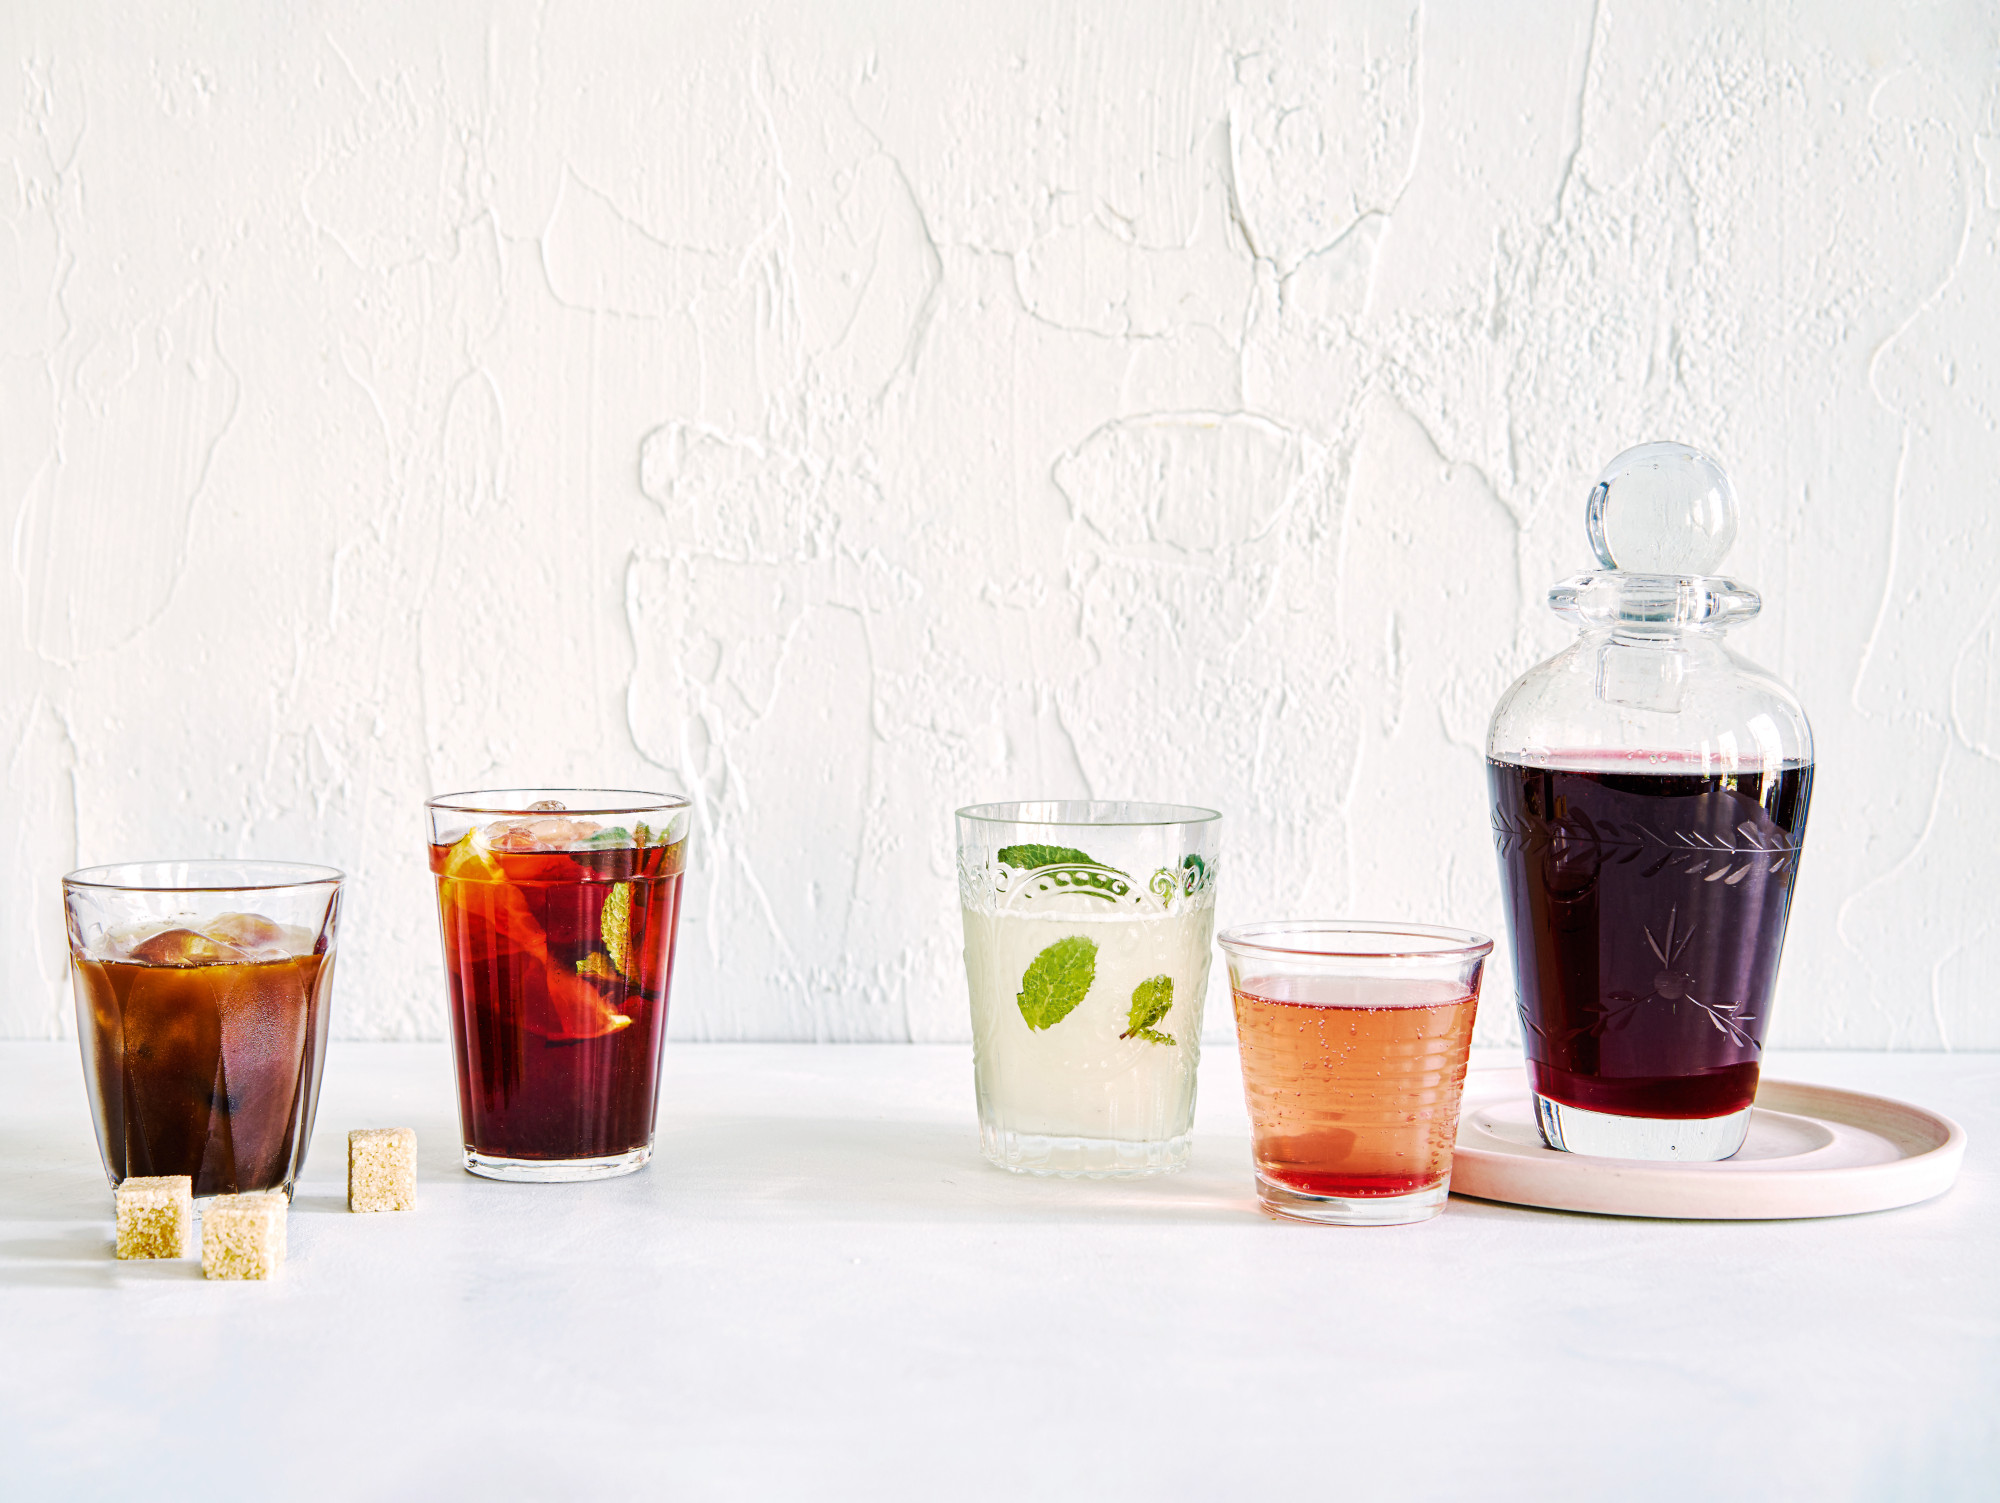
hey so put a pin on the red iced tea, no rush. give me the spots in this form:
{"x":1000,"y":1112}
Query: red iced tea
{"x":558,"y":961}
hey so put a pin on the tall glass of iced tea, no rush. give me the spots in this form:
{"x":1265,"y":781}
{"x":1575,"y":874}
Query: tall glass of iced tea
{"x":1353,"y":1039}
{"x":202,"y":990}
{"x":558,"y":908}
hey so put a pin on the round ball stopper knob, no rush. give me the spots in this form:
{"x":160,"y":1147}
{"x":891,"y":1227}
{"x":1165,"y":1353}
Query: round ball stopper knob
{"x":1662,"y":509}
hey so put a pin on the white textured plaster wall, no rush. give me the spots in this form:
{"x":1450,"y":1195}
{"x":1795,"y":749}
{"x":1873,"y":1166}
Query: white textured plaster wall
{"x":845,"y":412}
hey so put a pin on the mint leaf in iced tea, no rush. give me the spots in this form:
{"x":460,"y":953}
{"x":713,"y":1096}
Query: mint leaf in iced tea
{"x":615,"y":923}
{"x":1152,"y":1000}
{"x":1056,"y":980}
{"x":1027,"y":858}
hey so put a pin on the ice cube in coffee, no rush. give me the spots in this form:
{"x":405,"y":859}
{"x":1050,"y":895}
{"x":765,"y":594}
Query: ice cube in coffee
{"x":202,"y":991}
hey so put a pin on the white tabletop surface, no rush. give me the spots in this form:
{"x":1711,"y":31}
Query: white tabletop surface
{"x":819,"y":1290}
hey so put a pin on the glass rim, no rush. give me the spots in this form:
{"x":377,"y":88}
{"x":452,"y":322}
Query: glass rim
{"x":282,"y":874}
{"x":1256,"y":940}
{"x":612,"y":801}
{"x":1154,"y":814}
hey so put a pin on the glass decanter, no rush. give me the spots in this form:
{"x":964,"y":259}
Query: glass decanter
{"x":1649,"y":801}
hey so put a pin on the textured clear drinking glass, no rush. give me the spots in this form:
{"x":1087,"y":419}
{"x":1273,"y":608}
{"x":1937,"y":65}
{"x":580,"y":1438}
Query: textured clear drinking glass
{"x":202,"y":991}
{"x":558,"y":909}
{"x":1354,"y":1038}
{"x":1087,"y":943}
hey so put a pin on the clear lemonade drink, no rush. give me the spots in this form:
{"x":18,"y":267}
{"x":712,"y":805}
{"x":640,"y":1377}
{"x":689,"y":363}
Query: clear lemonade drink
{"x":1089,"y":1073}
{"x":1087,"y":980}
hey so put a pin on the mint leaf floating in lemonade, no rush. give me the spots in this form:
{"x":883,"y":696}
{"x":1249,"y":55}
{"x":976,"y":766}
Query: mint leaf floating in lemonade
{"x":1028,"y":858}
{"x":1056,"y":980}
{"x":1152,"y":1000}
{"x":558,"y":940}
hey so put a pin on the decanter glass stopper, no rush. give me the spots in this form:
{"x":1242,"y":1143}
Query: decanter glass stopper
{"x":1662,"y":508}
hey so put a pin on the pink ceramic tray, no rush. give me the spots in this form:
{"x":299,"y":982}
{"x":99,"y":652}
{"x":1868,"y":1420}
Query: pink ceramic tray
{"x":1812,"y":1151}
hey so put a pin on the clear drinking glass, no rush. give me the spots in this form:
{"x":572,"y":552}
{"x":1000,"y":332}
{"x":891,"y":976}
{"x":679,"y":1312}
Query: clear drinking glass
{"x":1649,"y":804}
{"x":558,"y":909}
{"x":1354,"y":1038}
{"x":202,"y":990}
{"x":1087,"y":932}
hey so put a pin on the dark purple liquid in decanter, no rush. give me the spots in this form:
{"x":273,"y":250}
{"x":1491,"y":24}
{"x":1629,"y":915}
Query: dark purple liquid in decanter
{"x":1648,"y":908}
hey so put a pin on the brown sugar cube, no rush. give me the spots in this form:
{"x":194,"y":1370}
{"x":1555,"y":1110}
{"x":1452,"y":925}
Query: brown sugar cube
{"x":156,"y":1216}
{"x":243,"y":1236}
{"x":382,"y":1169}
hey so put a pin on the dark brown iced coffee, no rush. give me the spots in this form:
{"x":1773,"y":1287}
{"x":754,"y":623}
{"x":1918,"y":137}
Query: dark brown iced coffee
{"x":202,"y":1044}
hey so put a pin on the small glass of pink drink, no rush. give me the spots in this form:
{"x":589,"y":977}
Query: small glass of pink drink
{"x":1354,"y":1039}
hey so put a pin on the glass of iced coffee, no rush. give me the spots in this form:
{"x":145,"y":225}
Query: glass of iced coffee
{"x":558,"y":909}
{"x":202,"y":990}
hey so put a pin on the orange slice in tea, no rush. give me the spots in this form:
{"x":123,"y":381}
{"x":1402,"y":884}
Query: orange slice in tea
{"x":471,"y":859}
{"x":477,"y":883}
